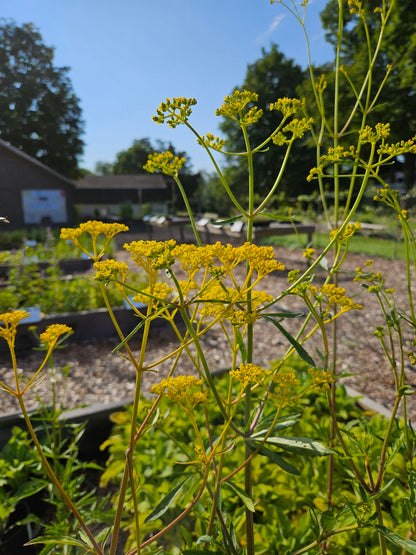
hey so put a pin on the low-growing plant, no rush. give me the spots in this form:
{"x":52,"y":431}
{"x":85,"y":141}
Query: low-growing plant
{"x":223,"y":442}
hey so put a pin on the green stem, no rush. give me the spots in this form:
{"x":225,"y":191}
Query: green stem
{"x":55,"y":480}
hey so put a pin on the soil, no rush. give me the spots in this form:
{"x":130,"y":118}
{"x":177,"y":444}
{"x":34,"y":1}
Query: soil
{"x":95,"y":376}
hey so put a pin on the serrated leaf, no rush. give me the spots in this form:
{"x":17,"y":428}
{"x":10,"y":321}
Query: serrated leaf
{"x":295,"y":344}
{"x":395,"y":539}
{"x":300,"y":445}
{"x":167,"y":501}
{"x":242,"y":495}
{"x":276,"y":458}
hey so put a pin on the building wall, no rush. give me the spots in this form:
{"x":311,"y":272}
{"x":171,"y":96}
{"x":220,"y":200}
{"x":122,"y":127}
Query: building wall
{"x":18,"y":173}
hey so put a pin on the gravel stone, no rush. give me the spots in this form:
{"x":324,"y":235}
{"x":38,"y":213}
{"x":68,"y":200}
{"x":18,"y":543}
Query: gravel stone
{"x":96,"y":376}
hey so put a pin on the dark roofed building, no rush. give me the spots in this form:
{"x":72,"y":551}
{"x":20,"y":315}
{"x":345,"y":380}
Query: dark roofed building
{"x":32,"y":193}
{"x":104,"y":195}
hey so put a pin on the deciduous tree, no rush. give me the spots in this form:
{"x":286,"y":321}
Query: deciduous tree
{"x":39,"y":112}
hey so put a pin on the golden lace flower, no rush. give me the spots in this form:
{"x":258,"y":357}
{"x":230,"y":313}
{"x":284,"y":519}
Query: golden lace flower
{"x":320,"y":380}
{"x":200,"y":453}
{"x":336,"y":298}
{"x":212,"y":141}
{"x":235,"y":103}
{"x":348,"y":231}
{"x":287,"y":106}
{"x":192,"y":258}
{"x":174,"y":111}
{"x":151,"y":255}
{"x":397,"y":149}
{"x":296,"y":128}
{"x":373,"y":135}
{"x":94,"y":228}
{"x":154,"y":294}
{"x":249,"y":374}
{"x":185,"y":390}
{"x":285,"y":387}
{"x":11,"y":320}
{"x":107,"y":270}
{"x":308,"y":253}
{"x":261,"y":259}
{"x":240,"y":317}
{"x":217,"y":301}
{"x":164,"y":162}
{"x":52,"y":333}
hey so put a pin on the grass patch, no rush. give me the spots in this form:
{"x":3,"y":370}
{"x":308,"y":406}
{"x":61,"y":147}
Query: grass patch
{"x":359,"y":244}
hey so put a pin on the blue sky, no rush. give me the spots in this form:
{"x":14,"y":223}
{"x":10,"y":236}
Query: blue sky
{"x":128,"y":56}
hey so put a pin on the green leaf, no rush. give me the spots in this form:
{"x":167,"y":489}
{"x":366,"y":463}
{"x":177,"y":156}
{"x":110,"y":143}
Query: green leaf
{"x":241,"y":345}
{"x":229,"y":221}
{"x":167,"y":501}
{"x":51,"y":540}
{"x":300,"y":445}
{"x":277,"y":217}
{"x":242,"y":495}
{"x":280,"y":425}
{"x":137,"y":328}
{"x":295,"y":344}
{"x":282,"y":315}
{"x":395,"y":539}
{"x":275,"y":458}
{"x":199,"y":552}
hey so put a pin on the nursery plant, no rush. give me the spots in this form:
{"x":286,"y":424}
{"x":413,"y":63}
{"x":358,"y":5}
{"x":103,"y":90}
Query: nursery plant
{"x":229,"y":446}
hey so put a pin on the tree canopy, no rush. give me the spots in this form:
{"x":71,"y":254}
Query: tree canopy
{"x":397,"y":101}
{"x":39,"y":112}
{"x":132,"y":160}
{"x":272,"y":76}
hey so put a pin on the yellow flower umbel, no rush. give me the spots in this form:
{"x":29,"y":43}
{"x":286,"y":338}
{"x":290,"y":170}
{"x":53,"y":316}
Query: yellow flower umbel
{"x":51,"y":335}
{"x":11,"y":320}
{"x":185,"y":390}
{"x":249,"y":374}
{"x":94,"y":229}
{"x":110,"y":270}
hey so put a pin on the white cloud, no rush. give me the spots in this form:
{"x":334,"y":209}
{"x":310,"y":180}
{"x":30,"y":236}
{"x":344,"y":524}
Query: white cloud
{"x":274,"y":24}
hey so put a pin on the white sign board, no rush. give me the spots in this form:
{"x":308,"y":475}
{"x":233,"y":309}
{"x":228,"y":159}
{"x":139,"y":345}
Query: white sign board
{"x":44,"y":204}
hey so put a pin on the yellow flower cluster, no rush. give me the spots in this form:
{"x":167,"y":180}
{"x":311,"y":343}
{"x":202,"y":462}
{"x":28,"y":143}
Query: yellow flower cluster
{"x":11,"y":320}
{"x":287,"y":106}
{"x":211,"y":141}
{"x":374,"y":135}
{"x":297,"y":128}
{"x":94,"y":228}
{"x":249,"y":374}
{"x":336,"y":296}
{"x":193,"y":258}
{"x":320,"y":380}
{"x":397,"y":149}
{"x":164,"y":162}
{"x":108,"y":270}
{"x":285,"y":388}
{"x":348,"y":231}
{"x":185,"y":390}
{"x":51,"y":335}
{"x":235,"y":104}
{"x":308,"y":253}
{"x":154,"y":294}
{"x":174,"y":111}
{"x":356,"y":7}
{"x":151,"y":255}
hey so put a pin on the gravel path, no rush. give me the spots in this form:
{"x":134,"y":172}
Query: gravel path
{"x":95,"y":376}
